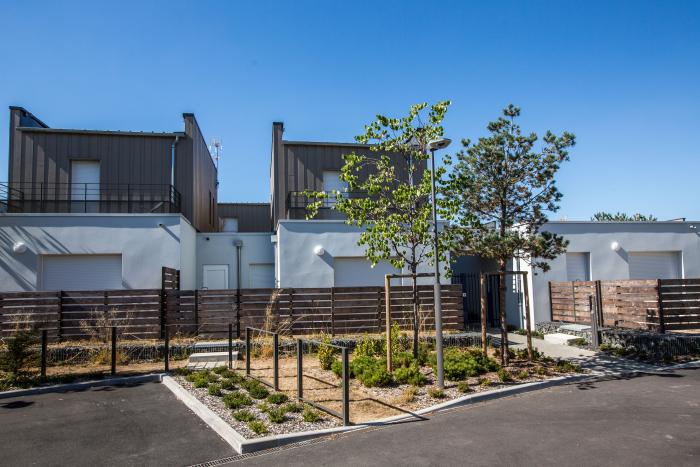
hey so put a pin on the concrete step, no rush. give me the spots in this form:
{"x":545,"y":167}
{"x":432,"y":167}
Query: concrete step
{"x":559,"y":338}
{"x":575,"y":327}
{"x":211,"y":357}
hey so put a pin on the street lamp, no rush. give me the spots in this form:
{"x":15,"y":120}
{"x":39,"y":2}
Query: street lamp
{"x":433,"y":146}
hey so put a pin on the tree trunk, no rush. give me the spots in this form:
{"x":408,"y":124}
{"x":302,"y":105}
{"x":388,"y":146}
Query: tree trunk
{"x":528,"y":325}
{"x":415,"y":317}
{"x":482,"y":297}
{"x":502,"y":312}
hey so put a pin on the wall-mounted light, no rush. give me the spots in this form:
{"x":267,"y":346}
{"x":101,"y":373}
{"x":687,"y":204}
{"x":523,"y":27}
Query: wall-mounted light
{"x":161,"y":225}
{"x":319,"y":250}
{"x":19,"y":247}
{"x":615,"y":246}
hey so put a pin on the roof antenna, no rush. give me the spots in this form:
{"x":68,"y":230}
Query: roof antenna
{"x":216,"y":148}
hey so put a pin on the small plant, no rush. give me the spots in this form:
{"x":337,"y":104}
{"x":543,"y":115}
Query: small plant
{"x":236,"y":400}
{"x":310,"y":415}
{"x":540,"y":370}
{"x":565,"y":366}
{"x":463,"y":387}
{"x":258,"y":392}
{"x":227,"y":384}
{"x":192,"y":377}
{"x":277,"y":398}
{"x":211,"y":377}
{"x":578,"y":342}
{"x":257,"y":427}
{"x":376,"y":376}
{"x":182,"y":372}
{"x":484,"y":382}
{"x":19,"y":352}
{"x":369,"y":347}
{"x":535,"y":334}
{"x":408,"y":395}
{"x":326,"y":353}
{"x":264,"y":407}
{"x":460,"y":364}
{"x":219,"y":370}
{"x":504,"y":375}
{"x":337,"y":368}
{"x":294,"y":407}
{"x":523,"y":374}
{"x":201,"y":382}
{"x":215,"y":389}
{"x":436,"y":393}
{"x":244,"y":415}
{"x":605,"y":347}
{"x":276,"y":415}
{"x":409,"y":375}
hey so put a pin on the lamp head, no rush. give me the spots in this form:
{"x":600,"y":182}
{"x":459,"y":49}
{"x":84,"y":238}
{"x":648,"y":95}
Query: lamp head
{"x":437,"y":144}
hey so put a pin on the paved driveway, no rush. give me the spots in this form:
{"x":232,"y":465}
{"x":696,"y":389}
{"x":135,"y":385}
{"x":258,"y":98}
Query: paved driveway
{"x":646,"y":420}
{"x":142,"y":424}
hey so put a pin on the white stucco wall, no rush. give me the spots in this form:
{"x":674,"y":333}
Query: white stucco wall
{"x":145,"y":247}
{"x":219,"y":248}
{"x":606,"y":264}
{"x":299,"y":266}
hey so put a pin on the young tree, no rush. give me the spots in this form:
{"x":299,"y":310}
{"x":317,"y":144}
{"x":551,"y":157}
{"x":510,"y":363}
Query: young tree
{"x":394,"y":208}
{"x":602,"y":216}
{"x":499,"y":191}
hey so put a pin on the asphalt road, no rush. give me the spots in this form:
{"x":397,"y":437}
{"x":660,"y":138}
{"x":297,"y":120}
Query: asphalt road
{"x":645,"y":420}
{"x":142,"y":424}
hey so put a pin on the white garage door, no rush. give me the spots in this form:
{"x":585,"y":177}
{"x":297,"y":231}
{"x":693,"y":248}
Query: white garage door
{"x":262,"y":276}
{"x":577,"y":267}
{"x":81,"y":272}
{"x":655,"y":265}
{"x":358,"y":272}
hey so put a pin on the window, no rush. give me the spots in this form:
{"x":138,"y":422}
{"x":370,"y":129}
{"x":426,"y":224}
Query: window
{"x":578,"y":267}
{"x":230,"y":224}
{"x":655,"y":265}
{"x":85,"y":186}
{"x":332,"y":182}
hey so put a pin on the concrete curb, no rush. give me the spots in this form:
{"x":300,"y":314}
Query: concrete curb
{"x":120,"y":380}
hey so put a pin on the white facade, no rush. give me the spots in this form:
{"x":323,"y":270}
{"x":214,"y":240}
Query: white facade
{"x":60,"y":251}
{"x":217,"y":252}
{"x":325,"y":253}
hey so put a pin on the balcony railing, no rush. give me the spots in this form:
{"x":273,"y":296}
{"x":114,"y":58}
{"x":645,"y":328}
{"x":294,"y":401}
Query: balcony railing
{"x":299,"y":200}
{"x":88,"y":198}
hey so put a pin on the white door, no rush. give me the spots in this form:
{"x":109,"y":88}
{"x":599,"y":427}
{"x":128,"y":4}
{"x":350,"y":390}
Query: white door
{"x":655,"y":265}
{"x":215,"y":276}
{"x":358,"y":272}
{"x":577,"y":267}
{"x":85,"y":186}
{"x":81,"y":272}
{"x":262,"y":276}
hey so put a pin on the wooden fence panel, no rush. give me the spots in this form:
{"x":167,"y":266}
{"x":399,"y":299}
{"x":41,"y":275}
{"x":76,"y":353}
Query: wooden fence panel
{"x":679,"y":300}
{"x":570,"y":301}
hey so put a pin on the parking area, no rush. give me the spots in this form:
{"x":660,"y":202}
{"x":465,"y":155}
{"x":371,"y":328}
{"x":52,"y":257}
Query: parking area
{"x":140,"y":424}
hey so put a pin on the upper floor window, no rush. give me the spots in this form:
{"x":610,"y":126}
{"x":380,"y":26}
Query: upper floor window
{"x":332,"y":182}
{"x":230,"y":224}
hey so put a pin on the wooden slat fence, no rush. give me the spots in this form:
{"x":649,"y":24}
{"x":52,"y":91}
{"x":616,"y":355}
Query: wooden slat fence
{"x":656,"y":305}
{"x":207,"y":313}
{"x":170,"y":279}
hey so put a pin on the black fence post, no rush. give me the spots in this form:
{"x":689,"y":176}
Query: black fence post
{"x":276,"y":358}
{"x":247,"y":351}
{"x":114,"y":350}
{"x":166,"y":335}
{"x":300,"y":370}
{"x":346,"y":387}
{"x":595,"y":337}
{"x":44,"y":338}
{"x":230,"y":346}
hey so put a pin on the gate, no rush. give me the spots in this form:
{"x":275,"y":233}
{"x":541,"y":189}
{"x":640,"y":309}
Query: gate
{"x":471,"y":298}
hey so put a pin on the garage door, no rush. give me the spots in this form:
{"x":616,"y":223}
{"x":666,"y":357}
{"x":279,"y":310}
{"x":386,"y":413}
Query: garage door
{"x":357,"y":272}
{"x":577,"y":267}
{"x":655,"y":265}
{"x":262,"y":276}
{"x":81,"y":272}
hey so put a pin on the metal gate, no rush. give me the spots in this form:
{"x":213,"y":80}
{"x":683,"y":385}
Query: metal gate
{"x":471,"y":299}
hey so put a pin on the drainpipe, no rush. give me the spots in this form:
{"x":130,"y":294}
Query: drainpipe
{"x":239,"y":246}
{"x":172,"y":160}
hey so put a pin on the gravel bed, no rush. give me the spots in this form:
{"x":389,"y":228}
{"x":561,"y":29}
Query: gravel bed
{"x":294,"y":422}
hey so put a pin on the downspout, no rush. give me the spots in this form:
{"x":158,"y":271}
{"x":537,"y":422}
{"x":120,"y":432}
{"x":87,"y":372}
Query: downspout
{"x":239,"y":247}
{"x":172,"y":160}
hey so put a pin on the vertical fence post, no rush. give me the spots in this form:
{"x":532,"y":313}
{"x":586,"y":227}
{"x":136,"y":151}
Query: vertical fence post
{"x":551,"y":307}
{"x":114,"y":350}
{"x":599,"y":302}
{"x":595,"y":339}
{"x":238,"y":313}
{"x":483,"y":296}
{"x":247,"y":351}
{"x":346,"y":387}
{"x":573,"y":298}
{"x":387,"y":306}
{"x":662,"y":324}
{"x":44,"y":338}
{"x":332,"y":311}
{"x":230,"y":346}
{"x":59,"y":295}
{"x":300,"y":369}
{"x":196,"y":310}
{"x":276,"y":361}
{"x":166,"y":336}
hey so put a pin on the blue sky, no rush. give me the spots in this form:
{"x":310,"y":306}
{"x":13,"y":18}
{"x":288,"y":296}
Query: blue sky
{"x":623,"y":76}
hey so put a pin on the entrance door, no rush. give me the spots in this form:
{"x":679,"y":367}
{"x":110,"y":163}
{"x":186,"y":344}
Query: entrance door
{"x":215,"y":276}
{"x":85,"y":186}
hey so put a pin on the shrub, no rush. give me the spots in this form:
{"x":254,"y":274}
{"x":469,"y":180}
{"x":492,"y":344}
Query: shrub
{"x":192,"y":377}
{"x":19,"y":352}
{"x":460,"y":364}
{"x":579,"y":342}
{"x":211,"y":377}
{"x":565,"y":366}
{"x":403,"y":360}
{"x":372,"y":373}
{"x":277,"y":398}
{"x":540,"y":370}
{"x":408,"y":395}
{"x":504,"y":375}
{"x":523,"y":374}
{"x":276,"y":415}
{"x":326,"y":353}
{"x":227,"y":384}
{"x":310,"y":415}
{"x":409,"y":375}
{"x":219,"y":370}
{"x":463,"y":387}
{"x":244,"y":415}
{"x":182,"y":372}
{"x":484,"y":382}
{"x":258,"y":392}
{"x":337,"y":369}
{"x":605,"y":347}
{"x":264,"y":407}
{"x":293,"y":407}
{"x":436,"y":393}
{"x":232,"y":375}
{"x":214,"y":389}
{"x":257,"y":427}
{"x":369,"y":347}
{"x":533,"y":333}
{"x":201,"y":382}
{"x":236,"y":400}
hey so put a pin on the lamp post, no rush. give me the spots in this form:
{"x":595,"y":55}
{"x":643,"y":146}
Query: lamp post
{"x":432,"y":147}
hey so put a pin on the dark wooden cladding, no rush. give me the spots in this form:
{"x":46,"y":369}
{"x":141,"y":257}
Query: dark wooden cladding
{"x":207,"y":313}
{"x":42,"y":155}
{"x":658,"y":305}
{"x":252,"y":217}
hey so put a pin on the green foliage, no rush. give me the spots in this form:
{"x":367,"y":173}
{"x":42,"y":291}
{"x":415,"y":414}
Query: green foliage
{"x":403,"y":360}
{"x":232,"y":375}
{"x":310,"y":415}
{"x":409,"y":375}
{"x":605,"y":347}
{"x":182,"y":372}
{"x":211,"y":377}
{"x":255,"y":388}
{"x":460,"y":364}
{"x":578,"y":342}
{"x":220,"y":370}
{"x":192,"y":377}
{"x":19,"y":352}
{"x":504,"y":375}
{"x":236,"y":400}
{"x":227,"y":384}
{"x":277,"y":398}
{"x":523,"y":374}
{"x":215,"y":389}
{"x":326,"y":353}
{"x":276,"y":415}
{"x":565,"y":366}
{"x":294,"y":407}
{"x":436,"y":393}
{"x":370,"y":371}
{"x":264,"y":407}
{"x":201,"y":381}
{"x":337,"y":368}
{"x":535,"y":334}
{"x":622,"y":217}
{"x":244,"y":415}
{"x":257,"y":427}
{"x":484,"y":382}
{"x":463,"y":387}
{"x":369,"y":347}
{"x":540,"y":370}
